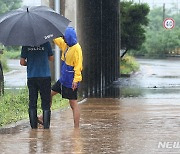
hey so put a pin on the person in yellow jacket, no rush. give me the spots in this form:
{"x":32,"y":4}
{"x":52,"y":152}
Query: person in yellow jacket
{"x":71,"y":69}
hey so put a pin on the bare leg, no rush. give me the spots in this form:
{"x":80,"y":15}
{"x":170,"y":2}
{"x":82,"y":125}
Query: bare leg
{"x":52,"y":94}
{"x":76,"y":112}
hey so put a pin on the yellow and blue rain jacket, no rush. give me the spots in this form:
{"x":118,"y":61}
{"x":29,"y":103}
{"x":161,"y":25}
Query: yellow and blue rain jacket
{"x":71,"y":58}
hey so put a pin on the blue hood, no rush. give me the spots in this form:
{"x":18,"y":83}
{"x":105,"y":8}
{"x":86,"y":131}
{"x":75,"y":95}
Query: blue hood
{"x":70,"y":36}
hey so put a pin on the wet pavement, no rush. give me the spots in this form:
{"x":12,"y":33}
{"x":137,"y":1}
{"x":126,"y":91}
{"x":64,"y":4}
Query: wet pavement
{"x":16,"y":77}
{"x":156,"y":79}
{"x":143,"y":119}
{"x":129,"y":126}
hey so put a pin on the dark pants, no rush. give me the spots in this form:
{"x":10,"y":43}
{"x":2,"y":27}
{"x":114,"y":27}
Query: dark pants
{"x":43,"y":85}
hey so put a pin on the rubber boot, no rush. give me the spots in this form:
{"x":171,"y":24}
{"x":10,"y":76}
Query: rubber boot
{"x":46,"y":118}
{"x":33,"y":118}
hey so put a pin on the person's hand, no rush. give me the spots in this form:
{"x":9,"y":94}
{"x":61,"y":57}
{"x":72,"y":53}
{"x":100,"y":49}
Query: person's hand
{"x":74,"y":85}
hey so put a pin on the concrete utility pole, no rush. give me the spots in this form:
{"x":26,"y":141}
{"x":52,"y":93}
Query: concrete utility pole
{"x":177,"y":7}
{"x":57,"y":51}
{"x":164,"y":11}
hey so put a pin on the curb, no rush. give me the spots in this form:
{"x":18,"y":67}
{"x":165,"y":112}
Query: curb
{"x":128,"y":75}
{"x":10,"y":72}
{"x":14,"y":127}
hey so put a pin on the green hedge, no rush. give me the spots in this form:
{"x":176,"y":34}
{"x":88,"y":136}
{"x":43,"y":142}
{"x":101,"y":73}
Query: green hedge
{"x":128,"y":64}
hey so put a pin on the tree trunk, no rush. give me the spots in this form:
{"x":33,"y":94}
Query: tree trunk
{"x":124,"y":53}
{"x":1,"y":80}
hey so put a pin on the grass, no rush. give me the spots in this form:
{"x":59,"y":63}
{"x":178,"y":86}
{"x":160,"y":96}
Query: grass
{"x":14,"y":106}
{"x":128,"y":64}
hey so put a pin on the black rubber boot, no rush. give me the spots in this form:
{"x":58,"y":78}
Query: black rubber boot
{"x":33,"y":118}
{"x":46,"y":118}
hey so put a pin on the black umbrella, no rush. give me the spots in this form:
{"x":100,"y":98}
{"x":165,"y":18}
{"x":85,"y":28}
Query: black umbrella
{"x":31,"y":26}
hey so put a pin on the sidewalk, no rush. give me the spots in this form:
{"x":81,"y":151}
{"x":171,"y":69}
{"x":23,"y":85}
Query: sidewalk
{"x":128,"y":126}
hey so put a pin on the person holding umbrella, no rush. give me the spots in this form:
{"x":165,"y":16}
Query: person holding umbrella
{"x":32,"y":28}
{"x":37,"y":58}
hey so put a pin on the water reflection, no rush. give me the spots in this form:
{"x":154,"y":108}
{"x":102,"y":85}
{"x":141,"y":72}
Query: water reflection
{"x":33,"y":141}
{"x":40,"y":141}
{"x":47,"y":143}
{"x":71,"y":140}
{"x":102,"y":125}
{"x":59,"y":140}
{"x":77,"y":144}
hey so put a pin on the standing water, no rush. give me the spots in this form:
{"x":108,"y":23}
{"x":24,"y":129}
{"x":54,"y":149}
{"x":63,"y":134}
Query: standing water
{"x":140,"y":115}
{"x":155,"y":79}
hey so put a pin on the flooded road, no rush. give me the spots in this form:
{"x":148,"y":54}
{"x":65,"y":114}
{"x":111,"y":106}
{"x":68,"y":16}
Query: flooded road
{"x":155,"y":79}
{"x":143,"y":119}
{"x":128,"y":126}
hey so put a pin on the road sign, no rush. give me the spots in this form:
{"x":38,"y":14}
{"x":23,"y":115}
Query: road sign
{"x":169,"y":23}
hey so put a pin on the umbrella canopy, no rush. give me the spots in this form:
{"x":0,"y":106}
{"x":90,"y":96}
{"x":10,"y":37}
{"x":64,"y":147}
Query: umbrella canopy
{"x":31,"y":26}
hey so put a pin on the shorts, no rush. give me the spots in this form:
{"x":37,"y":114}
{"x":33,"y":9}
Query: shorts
{"x":67,"y":93}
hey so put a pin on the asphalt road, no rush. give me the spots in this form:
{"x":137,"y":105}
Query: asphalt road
{"x":16,"y":77}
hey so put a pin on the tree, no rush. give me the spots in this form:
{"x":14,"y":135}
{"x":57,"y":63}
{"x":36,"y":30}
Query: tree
{"x":7,"y":5}
{"x":133,"y":20}
{"x":160,"y":42}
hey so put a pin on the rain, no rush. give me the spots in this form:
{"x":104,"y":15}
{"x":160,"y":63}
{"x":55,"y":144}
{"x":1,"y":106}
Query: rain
{"x":135,"y":114}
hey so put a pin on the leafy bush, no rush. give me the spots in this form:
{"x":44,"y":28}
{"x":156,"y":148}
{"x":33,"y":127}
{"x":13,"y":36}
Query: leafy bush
{"x":128,"y":64}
